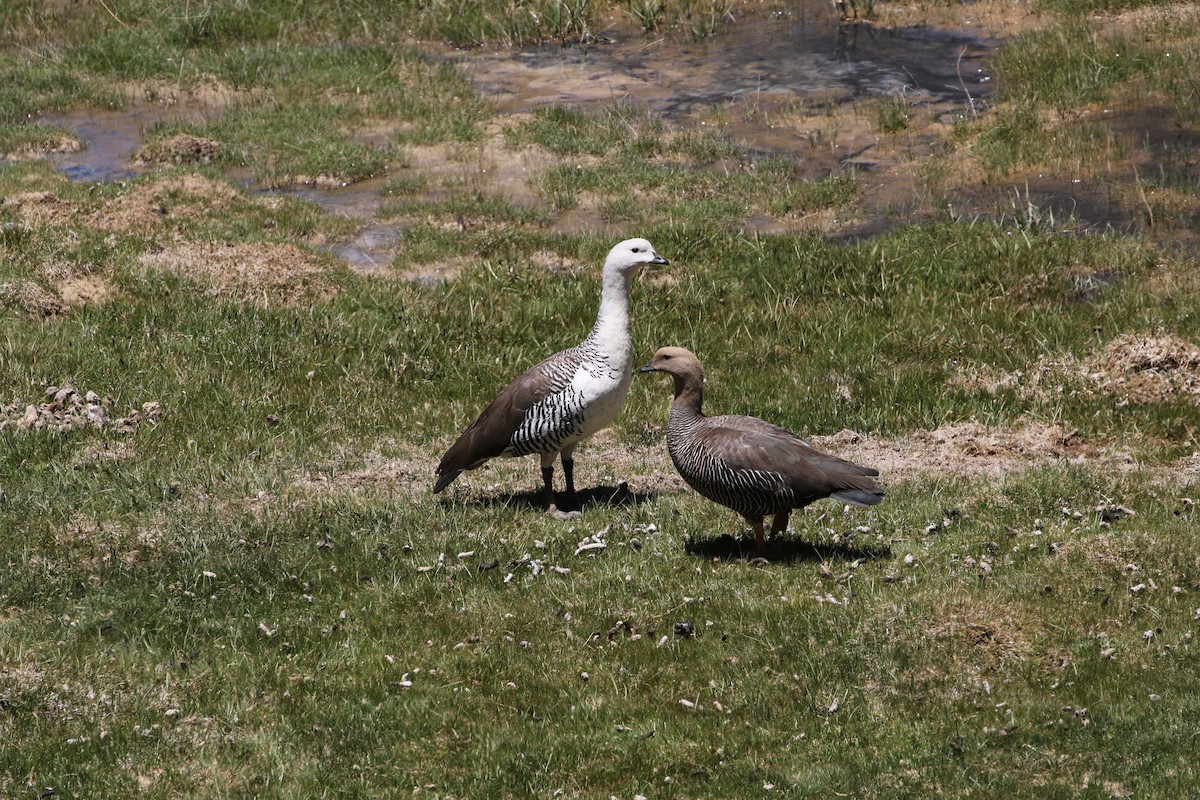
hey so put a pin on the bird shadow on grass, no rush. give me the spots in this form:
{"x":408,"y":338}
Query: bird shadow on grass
{"x":779,"y":549}
{"x":597,"y":496}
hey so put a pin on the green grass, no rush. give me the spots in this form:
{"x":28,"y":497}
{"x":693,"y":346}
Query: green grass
{"x":256,"y":595}
{"x":190,"y":609}
{"x":638,"y":169}
{"x":1054,"y":83}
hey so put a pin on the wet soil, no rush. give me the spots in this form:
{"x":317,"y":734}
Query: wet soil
{"x":803,"y":55}
{"x":788,"y":80}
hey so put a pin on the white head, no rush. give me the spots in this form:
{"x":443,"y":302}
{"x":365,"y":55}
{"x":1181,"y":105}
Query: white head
{"x":630,"y":254}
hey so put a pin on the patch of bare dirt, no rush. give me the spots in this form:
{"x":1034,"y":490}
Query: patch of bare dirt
{"x":1161,"y":18}
{"x":379,"y":472}
{"x":85,"y":290}
{"x":1148,"y":369}
{"x":72,"y":288}
{"x":30,"y":298}
{"x":409,"y":469}
{"x":104,"y":452}
{"x":183,"y":148}
{"x":996,"y":18}
{"x":67,"y":408}
{"x":266,"y":273}
{"x":1104,"y":552}
{"x":963,"y":448}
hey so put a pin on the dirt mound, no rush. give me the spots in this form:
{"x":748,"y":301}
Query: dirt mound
{"x":265,"y":273}
{"x":50,"y":142}
{"x":1148,"y":369}
{"x":145,"y":206}
{"x":28,"y":297}
{"x":72,"y":292}
{"x":180,"y":149}
{"x":38,"y":209}
{"x":152,"y":203}
{"x":68,"y":408}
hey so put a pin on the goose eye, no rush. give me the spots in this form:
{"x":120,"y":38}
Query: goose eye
{"x":637,"y":249}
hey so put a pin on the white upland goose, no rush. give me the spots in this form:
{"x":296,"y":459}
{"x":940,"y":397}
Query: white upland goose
{"x":566,"y":398}
{"x":747,"y":464}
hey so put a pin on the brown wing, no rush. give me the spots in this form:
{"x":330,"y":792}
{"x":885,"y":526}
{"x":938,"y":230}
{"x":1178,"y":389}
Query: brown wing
{"x":749,"y":443}
{"x":489,"y":435}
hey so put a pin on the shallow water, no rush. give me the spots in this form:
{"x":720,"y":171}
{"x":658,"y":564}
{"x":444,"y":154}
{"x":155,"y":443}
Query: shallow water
{"x":754,"y":69}
{"x":802,"y":54}
{"x":110,"y":140}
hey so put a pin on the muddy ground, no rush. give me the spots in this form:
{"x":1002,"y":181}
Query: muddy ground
{"x":793,"y":81}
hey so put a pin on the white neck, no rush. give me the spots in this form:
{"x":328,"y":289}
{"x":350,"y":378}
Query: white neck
{"x":611,"y":332}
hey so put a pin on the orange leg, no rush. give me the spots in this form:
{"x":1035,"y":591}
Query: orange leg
{"x":758,"y":539}
{"x":779,"y":524}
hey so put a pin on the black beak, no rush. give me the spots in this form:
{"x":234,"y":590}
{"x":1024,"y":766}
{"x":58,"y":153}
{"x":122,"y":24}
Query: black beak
{"x":659,"y":260}
{"x":649,"y":368}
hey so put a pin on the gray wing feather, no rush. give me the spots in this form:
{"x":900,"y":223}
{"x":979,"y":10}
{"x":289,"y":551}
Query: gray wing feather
{"x":492,"y":431}
{"x":749,"y":443}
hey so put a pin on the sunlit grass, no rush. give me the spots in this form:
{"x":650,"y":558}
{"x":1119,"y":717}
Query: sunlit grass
{"x":256,"y":594}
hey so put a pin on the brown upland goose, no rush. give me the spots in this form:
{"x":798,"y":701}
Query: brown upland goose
{"x":558,"y":403}
{"x":746,"y":464}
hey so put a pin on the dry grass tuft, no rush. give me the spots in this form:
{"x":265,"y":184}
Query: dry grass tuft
{"x":1148,"y":369}
{"x":30,"y":298}
{"x":150,"y":205}
{"x":38,"y":209}
{"x":84,"y":290}
{"x":265,"y":273}
{"x":987,"y":636}
{"x":181,"y":149}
